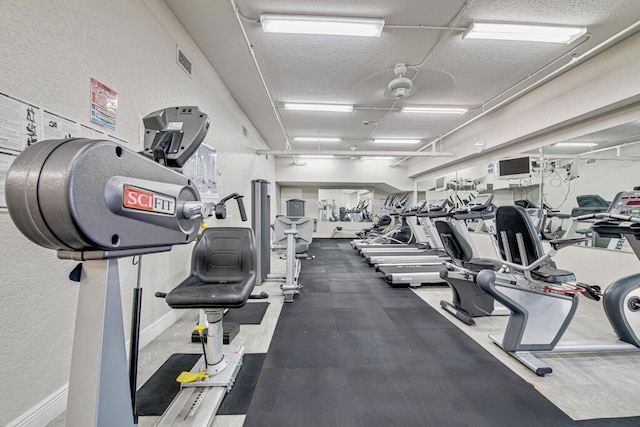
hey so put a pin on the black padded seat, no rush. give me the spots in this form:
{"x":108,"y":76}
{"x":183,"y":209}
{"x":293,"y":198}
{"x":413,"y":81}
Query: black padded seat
{"x":479,"y":264}
{"x":548,"y":274}
{"x":222,"y":270}
{"x":460,"y":251}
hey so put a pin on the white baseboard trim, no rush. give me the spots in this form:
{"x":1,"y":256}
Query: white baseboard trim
{"x":154,"y":330}
{"x":44,"y":411}
{"x":55,"y":404}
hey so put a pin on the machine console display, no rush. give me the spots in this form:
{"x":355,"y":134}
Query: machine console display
{"x":438,"y":205}
{"x":482,"y":200}
{"x":626,"y":203}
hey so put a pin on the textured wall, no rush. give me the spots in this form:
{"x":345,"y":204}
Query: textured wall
{"x":49,"y":51}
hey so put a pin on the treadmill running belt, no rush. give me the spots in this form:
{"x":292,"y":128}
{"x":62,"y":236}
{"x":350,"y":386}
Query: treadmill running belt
{"x":369,"y":355}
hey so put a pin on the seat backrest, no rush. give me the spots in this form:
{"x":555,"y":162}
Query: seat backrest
{"x":514,"y":220}
{"x":454,"y":244}
{"x":224,"y":254}
{"x":304,"y":226}
{"x":592,"y":201}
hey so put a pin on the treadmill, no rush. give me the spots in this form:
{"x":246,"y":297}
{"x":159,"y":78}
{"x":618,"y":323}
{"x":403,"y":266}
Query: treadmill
{"x":423,"y":256}
{"x":414,"y":275}
{"x":418,"y":240}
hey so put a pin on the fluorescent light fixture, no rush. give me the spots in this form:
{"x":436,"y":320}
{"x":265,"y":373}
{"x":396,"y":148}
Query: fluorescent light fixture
{"x":326,"y":25}
{"x":317,"y":156}
{"x":339,"y":108}
{"x":523,"y":32}
{"x":434,"y":110}
{"x":377,"y":157}
{"x":396,"y":141}
{"x":316,"y":139}
{"x":576,"y":144}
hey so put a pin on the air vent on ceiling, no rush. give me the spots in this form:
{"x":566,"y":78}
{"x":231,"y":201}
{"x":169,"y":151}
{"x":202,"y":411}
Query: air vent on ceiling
{"x":244,"y":131}
{"x":591,"y":161}
{"x":184,"y":62}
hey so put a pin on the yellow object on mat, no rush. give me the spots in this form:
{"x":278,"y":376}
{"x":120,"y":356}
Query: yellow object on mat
{"x":189,"y":377}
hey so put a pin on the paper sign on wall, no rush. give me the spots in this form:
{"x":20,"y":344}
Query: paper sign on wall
{"x":58,"y":127}
{"x":20,"y":124}
{"x":104,"y":105}
{"x":5,"y":162}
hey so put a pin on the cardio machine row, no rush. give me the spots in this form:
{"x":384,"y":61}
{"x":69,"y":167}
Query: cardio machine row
{"x":524,"y":282}
{"x":421,"y":259}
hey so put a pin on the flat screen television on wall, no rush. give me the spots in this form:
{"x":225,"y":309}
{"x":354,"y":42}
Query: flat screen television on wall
{"x":514,"y":168}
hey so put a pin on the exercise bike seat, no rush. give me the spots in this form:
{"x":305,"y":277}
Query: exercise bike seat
{"x":479,"y":264}
{"x":222,"y":270}
{"x":548,"y":274}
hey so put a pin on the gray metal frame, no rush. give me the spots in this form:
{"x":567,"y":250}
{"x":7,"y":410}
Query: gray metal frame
{"x":261,"y":225}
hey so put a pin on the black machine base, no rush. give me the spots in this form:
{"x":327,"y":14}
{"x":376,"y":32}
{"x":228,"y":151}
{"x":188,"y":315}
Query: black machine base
{"x":458,"y":312}
{"x":230,"y":330}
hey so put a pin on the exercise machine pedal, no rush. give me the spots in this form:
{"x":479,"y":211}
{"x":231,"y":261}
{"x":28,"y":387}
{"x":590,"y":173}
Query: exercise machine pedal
{"x":593,"y":292}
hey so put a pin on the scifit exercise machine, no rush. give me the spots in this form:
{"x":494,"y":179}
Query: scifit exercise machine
{"x":96,"y":201}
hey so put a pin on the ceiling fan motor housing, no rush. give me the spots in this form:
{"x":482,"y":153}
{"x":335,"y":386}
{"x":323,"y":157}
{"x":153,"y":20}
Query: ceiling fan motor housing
{"x":400,"y":86}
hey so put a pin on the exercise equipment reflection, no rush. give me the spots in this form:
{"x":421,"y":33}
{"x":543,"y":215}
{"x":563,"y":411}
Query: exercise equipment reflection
{"x":293,"y":234}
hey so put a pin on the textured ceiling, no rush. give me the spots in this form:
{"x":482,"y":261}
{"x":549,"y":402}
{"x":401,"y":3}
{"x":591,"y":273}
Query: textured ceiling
{"x":356,"y":70}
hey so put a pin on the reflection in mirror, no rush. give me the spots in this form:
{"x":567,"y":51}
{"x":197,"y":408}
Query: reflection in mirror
{"x":571,"y":178}
{"x":346,"y":205}
{"x":582,"y":175}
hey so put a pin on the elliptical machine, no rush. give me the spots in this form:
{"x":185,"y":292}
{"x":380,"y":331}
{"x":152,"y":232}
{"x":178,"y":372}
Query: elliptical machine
{"x":543,"y":299}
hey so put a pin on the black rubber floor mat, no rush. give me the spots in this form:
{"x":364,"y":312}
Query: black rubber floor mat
{"x":598,"y":422}
{"x":155,"y":396}
{"x":250,"y":314}
{"x":237,"y":401}
{"x":371,"y":358}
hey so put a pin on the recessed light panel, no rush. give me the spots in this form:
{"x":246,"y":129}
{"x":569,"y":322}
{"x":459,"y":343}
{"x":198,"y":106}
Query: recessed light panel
{"x":395,"y":141}
{"x":339,"y":108}
{"x":433,"y":110}
{"x":325,"y":25}
{"x":316,"y":139}
{"x":523,"y":32}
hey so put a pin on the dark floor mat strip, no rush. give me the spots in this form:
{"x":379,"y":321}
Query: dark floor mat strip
{"x":249,"y":314}
{"x":155,"y":396}
{"x":237,"y":401}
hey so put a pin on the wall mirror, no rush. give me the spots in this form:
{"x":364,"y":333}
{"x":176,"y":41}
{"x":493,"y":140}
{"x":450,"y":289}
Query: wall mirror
{"x":582,"y":175}
{"x":573,"y":177}
{"x":345,"y":205}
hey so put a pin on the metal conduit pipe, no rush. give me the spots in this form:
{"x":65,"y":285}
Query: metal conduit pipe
{"x":239,"y":18}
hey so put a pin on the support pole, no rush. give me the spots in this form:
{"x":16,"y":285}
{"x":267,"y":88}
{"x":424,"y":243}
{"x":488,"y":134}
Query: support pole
{"x":99,"y":393}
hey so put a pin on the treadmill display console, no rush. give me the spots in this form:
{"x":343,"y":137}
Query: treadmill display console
{"x":482,"y":200}
{"x":437,"y":205}
{"x":626,"y":203}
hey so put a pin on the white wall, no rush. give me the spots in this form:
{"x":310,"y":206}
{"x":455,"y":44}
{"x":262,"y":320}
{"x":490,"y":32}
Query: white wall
{"x":50,"y":50}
